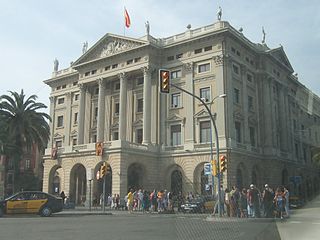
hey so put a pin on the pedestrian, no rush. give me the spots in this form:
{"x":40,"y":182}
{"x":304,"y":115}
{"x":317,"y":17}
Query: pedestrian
{"x":130,"y":201}
{"x":267,"y":201}
{"x":243,"y":203}
{"x":279,"y":201}
{"x":287,"y":208}
{"x":63,"y":196}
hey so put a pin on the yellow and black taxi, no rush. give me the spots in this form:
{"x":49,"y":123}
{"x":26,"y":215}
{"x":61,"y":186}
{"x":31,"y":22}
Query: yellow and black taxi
{"x":35,"y":202}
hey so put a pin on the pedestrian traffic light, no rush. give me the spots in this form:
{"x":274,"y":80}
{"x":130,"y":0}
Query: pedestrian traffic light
{"x":214,"y":167}
{"x":164,"y":76}
{"x":99,"y":149}
{"x":223,"y":163}
{"x":103,"y":170}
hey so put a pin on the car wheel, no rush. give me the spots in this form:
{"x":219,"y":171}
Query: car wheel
{"x":46,"y":212}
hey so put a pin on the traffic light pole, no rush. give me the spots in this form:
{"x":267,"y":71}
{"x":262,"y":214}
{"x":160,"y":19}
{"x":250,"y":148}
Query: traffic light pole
{"x":104,"y":194}
{"x":217,"y":143}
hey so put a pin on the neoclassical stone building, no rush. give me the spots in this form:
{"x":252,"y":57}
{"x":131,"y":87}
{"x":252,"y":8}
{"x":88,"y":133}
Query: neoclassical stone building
{"x":268,"y":125}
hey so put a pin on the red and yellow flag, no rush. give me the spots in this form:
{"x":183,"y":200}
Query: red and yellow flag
{"x":126,"y":18}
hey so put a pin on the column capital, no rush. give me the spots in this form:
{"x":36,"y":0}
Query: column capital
{"x":122,"y":75}
{"x":82,"y":87}
{"x":188,"y":67}
{"x":51,"y":99}
{"x":101,"y":82}
{"x":146,"y":70}
{"x":218,"y":60}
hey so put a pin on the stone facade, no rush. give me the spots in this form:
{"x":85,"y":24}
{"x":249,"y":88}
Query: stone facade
{"x":268,"y":125}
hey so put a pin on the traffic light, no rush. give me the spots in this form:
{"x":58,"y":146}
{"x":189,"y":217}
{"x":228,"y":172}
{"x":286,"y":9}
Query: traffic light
{"x":214,"y":167}
{"x":164,"y":76}
{"x":103,"y":170}
{"x":223,"y":163}
{"x":99,"y":149}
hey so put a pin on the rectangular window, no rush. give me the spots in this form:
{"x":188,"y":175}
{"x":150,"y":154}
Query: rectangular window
{"x":130,"y":61}
{"x":115,"y":136}
{"x":205,"y":128}
{"x":204,"y":68}
{"x":170,"y":58}
{"x":75,"y":83}
{"x":235,"y":69}
{"x":140,"y":105}
{"x":176,"y":74}
{"x":63,"y":86}
{"x":178,"y":56}
{"x":96,"y":92}
{"x":58,"y":143}
{"x":117,"y":86}
{"x":60,"y":121}
{"x":137,"y":59}
{"x":58,"y":88}
{"x":139,"y":135}
{"x":238,"y":131}
{"x":116,"y":109}
{"x":96,"y":113}
{"x":75,"y":120}
{"x":175,"y":135}
{"x":114,"y":66}
{"x":249,"y":77}
{"x":176,"y":100}
{"x":197,"y":51}
{"x":205,"y":94}
{"x":209,"y":48}
{"x":140,"y":81}
{"x":252,"y":136}
{"x":250,"y":103}
{"x":74,"y":141}
{"x":76,"y":97}
{"x":87,"y":74}
{"x":94,"y":138}
{"x":93,"y":71}
{"x":107,"y":68}
{"x":28,"y":164}
{"x":60,"y":100}
{"x":296,"y":150}
{"x":236,"y":95}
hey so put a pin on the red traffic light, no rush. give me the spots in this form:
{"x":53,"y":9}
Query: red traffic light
{"x":164,"y":77}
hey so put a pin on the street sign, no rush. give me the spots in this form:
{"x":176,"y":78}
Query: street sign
{"x":207,"y":187}
{"x":207,"y":169}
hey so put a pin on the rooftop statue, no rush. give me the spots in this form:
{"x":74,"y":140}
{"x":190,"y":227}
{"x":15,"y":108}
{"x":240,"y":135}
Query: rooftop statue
{"x":263,"y":35}
{"x":55,"y":65}
{"x":85,"y":47}
{"x":219,"y":13}
{"x":147,"y":25}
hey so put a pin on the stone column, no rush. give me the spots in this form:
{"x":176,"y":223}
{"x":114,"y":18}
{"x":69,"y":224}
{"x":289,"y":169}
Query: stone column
{"x":87,"y":116}
{"x":123,"y":107}
{"x":283,"y":121}
{"x":189,"y":104}
{"x":52,"y":123}
{"x":146,"y":105}
{"x":68,"y":120}
{"x":101,"y":111}
{"x":267,"y":115}
{"x":81,"y":113}
{"x":107,"y":115}
{"x":245,"y":109}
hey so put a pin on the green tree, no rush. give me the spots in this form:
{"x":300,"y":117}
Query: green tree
{"x":22,"y":126}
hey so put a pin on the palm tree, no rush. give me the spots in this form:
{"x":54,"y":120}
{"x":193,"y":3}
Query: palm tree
{"x":22,"y":126}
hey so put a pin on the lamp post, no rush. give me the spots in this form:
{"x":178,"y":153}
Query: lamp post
{"x":216,"y":135}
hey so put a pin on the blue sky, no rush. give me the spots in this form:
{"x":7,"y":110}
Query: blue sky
{"x":34,"y":32}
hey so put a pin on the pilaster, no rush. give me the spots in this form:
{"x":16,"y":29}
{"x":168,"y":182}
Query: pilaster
{"x":101,"y":111}
{"x":123,"y":107}
{"x":80,"y":137}
{"x":146,"y":105}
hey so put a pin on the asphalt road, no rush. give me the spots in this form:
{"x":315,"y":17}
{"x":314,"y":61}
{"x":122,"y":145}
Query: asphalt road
{"x":135,"y":227}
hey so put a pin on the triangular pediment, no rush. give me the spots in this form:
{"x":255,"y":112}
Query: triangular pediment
{"x":57,"y":135}
{"x":202,"y":113}
{"x":109,"y":45}
{"x":175,"y":117}
{"x":281,"y":56}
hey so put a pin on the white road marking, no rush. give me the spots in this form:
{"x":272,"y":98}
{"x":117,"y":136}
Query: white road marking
{"x":295,"y":222}
{"x":316,"y":223}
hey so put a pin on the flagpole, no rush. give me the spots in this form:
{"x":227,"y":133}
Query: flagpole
{"x":124,"y":25}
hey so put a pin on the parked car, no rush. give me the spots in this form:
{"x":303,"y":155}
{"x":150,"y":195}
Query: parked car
{"x":34,"y":202}
{"x":200,"y":204}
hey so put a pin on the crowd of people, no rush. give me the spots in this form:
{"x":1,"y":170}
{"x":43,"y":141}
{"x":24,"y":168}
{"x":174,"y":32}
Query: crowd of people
{"x":254,"y":203}
{"x":242,"y":203}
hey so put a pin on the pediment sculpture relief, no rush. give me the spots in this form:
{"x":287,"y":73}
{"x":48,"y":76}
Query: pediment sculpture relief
{"x":116,"y":46}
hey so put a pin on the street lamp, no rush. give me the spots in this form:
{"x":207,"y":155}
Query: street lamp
{"x":202,"y":100}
